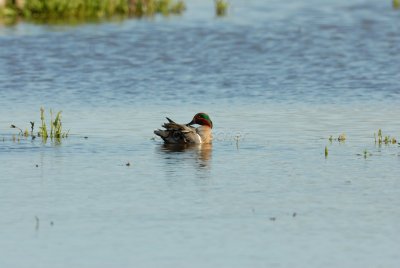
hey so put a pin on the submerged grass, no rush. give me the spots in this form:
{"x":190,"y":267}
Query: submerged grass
{"x":67,"y":10}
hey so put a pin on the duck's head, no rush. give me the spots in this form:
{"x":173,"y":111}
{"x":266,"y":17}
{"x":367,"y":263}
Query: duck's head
{"x":201,"y":119}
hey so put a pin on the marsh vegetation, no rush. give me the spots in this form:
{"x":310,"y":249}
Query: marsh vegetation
{"x":221,"y":7}
{"x":379,"y":138}
{"x":84,"y":10}
{"x":55,"y":133}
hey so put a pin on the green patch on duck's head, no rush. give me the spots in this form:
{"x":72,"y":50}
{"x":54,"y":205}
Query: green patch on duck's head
{"x":202,"y":119}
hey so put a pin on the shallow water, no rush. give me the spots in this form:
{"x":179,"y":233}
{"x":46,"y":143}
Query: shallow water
{"x":277,"y":79}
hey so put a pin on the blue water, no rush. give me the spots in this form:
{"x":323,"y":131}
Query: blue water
{"x":277,"y":78}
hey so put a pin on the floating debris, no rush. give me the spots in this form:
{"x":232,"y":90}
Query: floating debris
{"x":342,"y":137}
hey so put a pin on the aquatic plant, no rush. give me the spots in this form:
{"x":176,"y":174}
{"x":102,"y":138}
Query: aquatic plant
{"x":341,"y":138}
{"x":61,"y":9}
{"x":56,"y":131}
{"x":8,"y":15}
{"x":76,"y":10}
{"x":237,"y":138}
{"x":178,"y":7}
{"x":167,"y":7}
{"x":221,"y":7}
{"x":43,"y":129}
{"x":396,"y":4}
{"x":326,"y":151}
{"x":366,"y":154}
{"x":32,"y":127}
{"x":384,"y":139}
{"x":14,"y":126}
{"x":56,"y":125}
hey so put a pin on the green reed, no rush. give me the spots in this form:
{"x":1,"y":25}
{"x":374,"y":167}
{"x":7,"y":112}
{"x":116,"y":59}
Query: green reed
{"x":380,"y":139}
{"x":43,"y":128}
{"x":396,"y":4}
{"x":221,"y":7}
{"x":56,"y":130}
{"x":56,"y":126}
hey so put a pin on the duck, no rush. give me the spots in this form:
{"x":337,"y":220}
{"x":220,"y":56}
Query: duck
{"x":175,"y":133}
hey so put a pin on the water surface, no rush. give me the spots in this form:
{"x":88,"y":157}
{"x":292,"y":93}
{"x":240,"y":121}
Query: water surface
{"x":277,"y":78}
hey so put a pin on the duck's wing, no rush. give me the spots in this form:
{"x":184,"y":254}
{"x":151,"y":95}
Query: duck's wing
{"x":178,"y":133}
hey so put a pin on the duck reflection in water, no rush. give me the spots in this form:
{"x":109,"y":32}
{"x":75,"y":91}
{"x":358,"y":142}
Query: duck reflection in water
{"x":199,"y":153}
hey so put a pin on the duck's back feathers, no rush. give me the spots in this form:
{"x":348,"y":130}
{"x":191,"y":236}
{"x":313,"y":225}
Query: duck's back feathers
{"x":178,"y":133}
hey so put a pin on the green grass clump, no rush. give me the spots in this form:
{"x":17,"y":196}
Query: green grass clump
{"x":221,"y":7}
{"x":8,"y":15}
{"x":56,"y":131}
{"x":81,"y":10}
{"x":384,"y":139}
{"x":56,"y":125}
{"x":73,"y":9}
{"x":396,"y":4}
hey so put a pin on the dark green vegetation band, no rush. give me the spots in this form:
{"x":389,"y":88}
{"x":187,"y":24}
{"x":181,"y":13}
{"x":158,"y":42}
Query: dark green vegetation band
{"x":87,"y":9}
